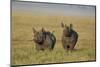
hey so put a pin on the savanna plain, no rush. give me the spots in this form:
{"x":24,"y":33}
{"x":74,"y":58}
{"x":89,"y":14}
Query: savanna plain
{"x":23,"y":47}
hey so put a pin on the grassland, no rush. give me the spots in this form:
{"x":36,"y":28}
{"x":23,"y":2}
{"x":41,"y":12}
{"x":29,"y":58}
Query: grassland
{"x":23,"y":48}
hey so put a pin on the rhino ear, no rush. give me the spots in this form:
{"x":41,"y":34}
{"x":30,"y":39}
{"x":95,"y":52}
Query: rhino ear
{"x":71,"y":26}
{"x":43,"y":29}
{"x":62,"y":25}
{"x":34,"y":31}
{"x":53,"y":31}
{"x":66,"y":25}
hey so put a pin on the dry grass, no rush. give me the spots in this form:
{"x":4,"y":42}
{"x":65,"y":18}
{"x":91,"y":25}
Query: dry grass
{"x":23,"y":51}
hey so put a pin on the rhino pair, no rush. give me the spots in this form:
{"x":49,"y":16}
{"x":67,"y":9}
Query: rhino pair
{"x":46,"y":40}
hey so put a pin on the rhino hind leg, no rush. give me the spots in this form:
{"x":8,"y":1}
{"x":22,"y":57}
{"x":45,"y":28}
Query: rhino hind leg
{"x":72,"y":45}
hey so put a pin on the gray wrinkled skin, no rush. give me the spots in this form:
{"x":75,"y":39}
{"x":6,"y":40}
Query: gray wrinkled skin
{"x":44,"y":40}
{"x":69,"y":37}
